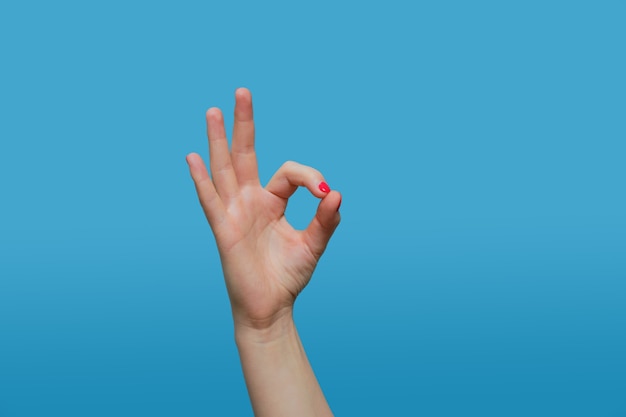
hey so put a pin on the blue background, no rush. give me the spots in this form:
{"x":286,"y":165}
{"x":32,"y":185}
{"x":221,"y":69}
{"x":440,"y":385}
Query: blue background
{"x":480,"y":268}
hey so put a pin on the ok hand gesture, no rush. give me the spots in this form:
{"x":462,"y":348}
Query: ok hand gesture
{"x":266,"y":262}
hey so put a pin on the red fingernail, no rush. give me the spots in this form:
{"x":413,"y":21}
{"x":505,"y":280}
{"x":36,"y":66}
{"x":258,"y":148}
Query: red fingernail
{"x":324,"y":187}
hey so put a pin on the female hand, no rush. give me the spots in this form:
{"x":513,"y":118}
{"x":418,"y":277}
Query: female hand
{"x":266,"y":262}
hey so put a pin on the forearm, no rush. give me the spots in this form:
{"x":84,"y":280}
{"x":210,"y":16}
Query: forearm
{"x":278,"y":375}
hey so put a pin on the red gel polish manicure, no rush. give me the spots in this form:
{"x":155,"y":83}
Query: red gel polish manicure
{"x":324,"y":187}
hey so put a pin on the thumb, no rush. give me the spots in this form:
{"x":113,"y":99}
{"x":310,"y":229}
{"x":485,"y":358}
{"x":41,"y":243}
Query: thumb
{"x":323,"y":225}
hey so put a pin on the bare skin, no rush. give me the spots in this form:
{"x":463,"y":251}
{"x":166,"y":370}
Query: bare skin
{"x":266,"y":262}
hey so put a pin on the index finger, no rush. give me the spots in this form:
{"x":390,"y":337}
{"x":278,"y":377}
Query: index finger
{"x":292,"y":175}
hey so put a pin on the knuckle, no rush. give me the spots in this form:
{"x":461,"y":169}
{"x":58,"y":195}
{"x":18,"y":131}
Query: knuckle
{"x":290,"y":165}
{"x":295,"y":167}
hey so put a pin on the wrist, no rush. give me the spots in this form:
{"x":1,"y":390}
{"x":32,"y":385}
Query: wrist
{"x":268,"y":330}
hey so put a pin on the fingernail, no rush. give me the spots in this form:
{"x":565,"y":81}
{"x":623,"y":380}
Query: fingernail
{"x":324,"y":187}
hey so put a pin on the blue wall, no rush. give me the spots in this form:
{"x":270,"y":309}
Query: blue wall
{"x":480,"y":268}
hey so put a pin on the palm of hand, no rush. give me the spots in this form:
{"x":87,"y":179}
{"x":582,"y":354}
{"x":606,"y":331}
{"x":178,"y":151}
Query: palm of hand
{"x":266,"y":262}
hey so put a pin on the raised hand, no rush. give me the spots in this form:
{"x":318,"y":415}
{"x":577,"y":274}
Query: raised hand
{"x":266,"y":262}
